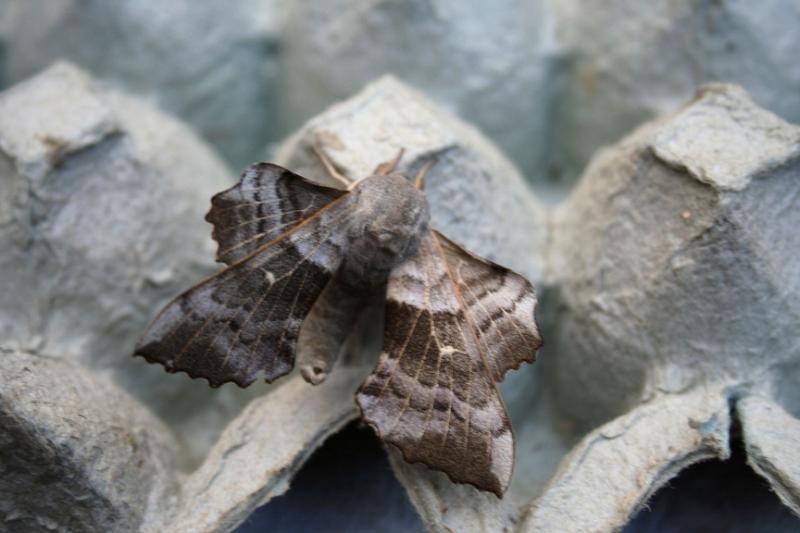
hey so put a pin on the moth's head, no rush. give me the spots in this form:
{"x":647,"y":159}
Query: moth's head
{"x":391,"y":217}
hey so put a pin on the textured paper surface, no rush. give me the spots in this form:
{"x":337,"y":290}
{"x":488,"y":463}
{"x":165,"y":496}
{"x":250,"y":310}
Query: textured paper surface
{"x":669,"y":289}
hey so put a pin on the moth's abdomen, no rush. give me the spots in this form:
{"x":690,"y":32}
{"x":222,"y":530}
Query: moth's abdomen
{"x":326,"y":327}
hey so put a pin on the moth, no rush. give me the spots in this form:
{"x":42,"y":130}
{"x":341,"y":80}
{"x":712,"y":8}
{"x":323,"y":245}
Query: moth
{"x":301,"y":258}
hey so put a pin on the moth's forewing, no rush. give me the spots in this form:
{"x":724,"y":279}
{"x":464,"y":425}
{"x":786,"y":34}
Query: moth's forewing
{"x":244,"y":321}
{"x":433,"y":393}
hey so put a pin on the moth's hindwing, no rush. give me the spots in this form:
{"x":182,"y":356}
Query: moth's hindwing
{"x":245,"y":320}
{"x":455,"y":324}
{"x":267,"y":201}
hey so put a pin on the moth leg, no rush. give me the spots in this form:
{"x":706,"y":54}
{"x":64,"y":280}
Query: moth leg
{"x":325,"y":329}
{"x":388,"y":166}
{"x":329,"y":166}
{"x":419,"y":179}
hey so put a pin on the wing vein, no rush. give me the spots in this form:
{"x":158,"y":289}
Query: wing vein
{"x":407,"y":399}
{"x":289,"y":274}
{"x":283,"y":235}
{"x":505,"y":340}
{"x":301,"y":238}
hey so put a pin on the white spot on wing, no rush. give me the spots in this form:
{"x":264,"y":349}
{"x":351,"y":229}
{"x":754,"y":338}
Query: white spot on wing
{"x":448,"y":350}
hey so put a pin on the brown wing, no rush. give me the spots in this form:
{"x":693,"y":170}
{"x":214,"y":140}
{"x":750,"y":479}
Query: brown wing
{"x":245,"y":320}
{"x":433,"y":393}
{"x":267,"y":201}
{"x":501,"y":304}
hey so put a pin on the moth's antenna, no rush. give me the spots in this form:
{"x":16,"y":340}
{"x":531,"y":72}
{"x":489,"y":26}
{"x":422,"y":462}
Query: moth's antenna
{"x":328,"y":164}
{"x":385,"y":168}
{"x":419,"y":180}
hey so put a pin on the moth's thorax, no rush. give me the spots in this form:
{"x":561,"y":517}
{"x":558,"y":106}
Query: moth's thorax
{"x":390,"y":217}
